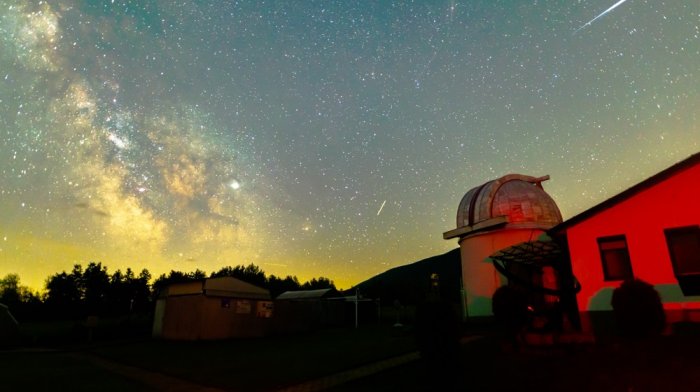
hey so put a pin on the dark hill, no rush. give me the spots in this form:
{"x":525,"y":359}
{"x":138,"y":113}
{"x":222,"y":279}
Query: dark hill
{"x":410,"y":284}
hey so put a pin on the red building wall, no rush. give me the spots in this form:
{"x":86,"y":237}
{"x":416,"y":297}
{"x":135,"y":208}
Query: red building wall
{"x":642,"y":218}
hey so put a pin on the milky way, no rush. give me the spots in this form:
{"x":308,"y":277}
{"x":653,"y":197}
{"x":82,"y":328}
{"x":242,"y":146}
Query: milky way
{"x":317,"y":137}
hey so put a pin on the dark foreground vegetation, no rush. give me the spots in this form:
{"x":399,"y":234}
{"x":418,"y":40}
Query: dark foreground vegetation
{"x":269,"y":364}
{"x":669,"y":363}
{"x":66,"y":352}
{"x":260,"y":364}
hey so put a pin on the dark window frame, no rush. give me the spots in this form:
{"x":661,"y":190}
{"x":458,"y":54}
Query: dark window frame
{"x":604,"y":261}
{"x":689,"y":282}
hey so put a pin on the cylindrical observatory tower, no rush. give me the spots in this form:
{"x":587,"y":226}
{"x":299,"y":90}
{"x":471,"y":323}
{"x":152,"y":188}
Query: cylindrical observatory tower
{"x":494,"y":216}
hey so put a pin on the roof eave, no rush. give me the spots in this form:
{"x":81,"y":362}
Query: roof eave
{"x":479,"y":226}
{"x":629,"y":192}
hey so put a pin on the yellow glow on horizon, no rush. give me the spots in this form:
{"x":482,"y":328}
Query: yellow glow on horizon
{"x":22,"y":254}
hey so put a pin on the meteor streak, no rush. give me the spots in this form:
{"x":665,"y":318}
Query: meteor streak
{"x":381,"y":208}
{"x":600,"y":16}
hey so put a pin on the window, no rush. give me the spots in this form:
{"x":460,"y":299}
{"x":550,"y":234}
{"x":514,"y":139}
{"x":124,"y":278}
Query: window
{"x":684,"y":250}
{"x":615,"y":258}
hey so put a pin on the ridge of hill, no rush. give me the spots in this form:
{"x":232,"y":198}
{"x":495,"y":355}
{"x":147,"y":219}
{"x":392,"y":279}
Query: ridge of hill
{"x":410,"y":283}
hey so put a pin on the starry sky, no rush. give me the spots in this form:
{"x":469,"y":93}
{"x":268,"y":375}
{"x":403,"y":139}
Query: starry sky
{"x":319,"y":138}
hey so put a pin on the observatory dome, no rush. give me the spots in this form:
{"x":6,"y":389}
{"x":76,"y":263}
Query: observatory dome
{"x":518,"y":198}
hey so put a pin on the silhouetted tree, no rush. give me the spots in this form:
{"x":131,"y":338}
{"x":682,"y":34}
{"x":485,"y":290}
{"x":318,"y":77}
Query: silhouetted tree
{"x":140,"y":291}
{"x":638,"y":310}
{"x":225,"y":271}
{"x":9,"y":291}
{"x":63,"y":293}
{"x":118,"y":293}
{"x":23,"y":303}
{"x":278,"y":286}
{"x":94,"y":292}
{"x":174,"y":277}
{"x":318,"y":283}
{"x":510,"y":309}
{"x":250,"y":273}
{"x":129,"y":293}
{"x":31,"y":306}
{"x":95,"y":284}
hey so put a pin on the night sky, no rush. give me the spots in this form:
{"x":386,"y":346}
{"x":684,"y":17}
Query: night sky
{"x":319,"y":138}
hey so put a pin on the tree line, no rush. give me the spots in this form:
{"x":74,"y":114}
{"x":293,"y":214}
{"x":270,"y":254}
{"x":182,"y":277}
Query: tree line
{"x":92,"y":290}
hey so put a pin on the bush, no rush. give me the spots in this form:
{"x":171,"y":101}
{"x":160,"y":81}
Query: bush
{"x":509,"y":306}
{"x":638,"y":310}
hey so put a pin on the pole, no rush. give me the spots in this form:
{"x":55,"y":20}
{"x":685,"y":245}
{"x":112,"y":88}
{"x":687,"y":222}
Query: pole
{"x":357,"y":297}
{"x":463,"y":292}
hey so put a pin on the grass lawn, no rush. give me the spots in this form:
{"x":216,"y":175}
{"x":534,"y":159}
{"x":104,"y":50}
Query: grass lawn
{"x":669,"y":363}
{"x":265,"y":363}
{"x":57,"y":371}
{"x":68,"y":333}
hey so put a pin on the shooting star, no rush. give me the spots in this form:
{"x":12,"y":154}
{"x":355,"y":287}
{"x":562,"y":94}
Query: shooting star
{"x":600,"y":16}
{"x":381,"y":208}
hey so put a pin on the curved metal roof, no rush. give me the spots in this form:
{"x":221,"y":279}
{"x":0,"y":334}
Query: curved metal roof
{"x":514,"y":200}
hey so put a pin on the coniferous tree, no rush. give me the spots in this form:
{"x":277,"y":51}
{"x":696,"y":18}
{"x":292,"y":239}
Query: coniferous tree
{"x":318,"y":283}
{"x":95,"y":285}
{"x":63,"y":294}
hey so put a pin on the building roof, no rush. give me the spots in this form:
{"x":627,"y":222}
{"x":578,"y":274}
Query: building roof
{"x":630,"y":192}
{"x":513,"y":200}
{"x":305,"y":294}
{"x":542,"y":251}
{"x":224,"y":286}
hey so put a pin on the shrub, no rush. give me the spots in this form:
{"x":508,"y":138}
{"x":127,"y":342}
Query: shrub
{"x":638,"y":310}
{"x":509,"y":306}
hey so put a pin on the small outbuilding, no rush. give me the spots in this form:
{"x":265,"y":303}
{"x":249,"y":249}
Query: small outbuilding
{"x":306,"y":310}
{"x":214,"y":308}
